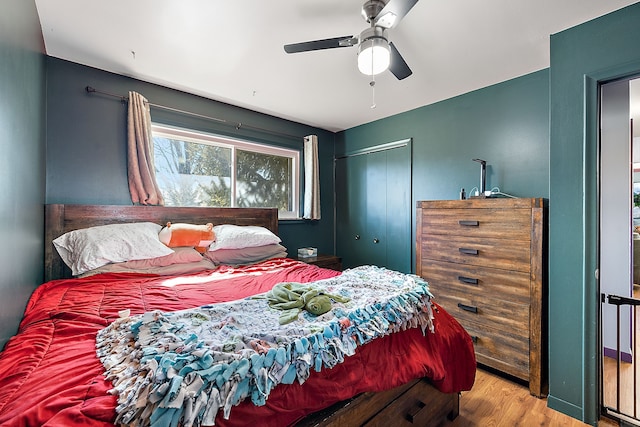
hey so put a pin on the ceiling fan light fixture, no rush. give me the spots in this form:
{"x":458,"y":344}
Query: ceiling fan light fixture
{"x":374,"y":55}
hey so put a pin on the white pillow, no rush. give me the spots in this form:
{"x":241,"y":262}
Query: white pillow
{"x":89,"y":248}
{"x":242,"y":236}
{"x":246,"y":256}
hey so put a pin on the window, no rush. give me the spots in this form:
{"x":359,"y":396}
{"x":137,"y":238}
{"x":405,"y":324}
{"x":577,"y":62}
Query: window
{"x":199,"y":169}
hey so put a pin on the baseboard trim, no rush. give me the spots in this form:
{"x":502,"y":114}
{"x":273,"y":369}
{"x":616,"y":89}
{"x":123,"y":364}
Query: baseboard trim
{"x":565,"y":407}
{"x":612,"y":353}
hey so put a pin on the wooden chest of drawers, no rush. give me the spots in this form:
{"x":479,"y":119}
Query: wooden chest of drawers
{"x":484,"y":260}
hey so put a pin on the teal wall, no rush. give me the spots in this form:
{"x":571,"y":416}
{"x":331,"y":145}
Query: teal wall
{"x":600,"y":50}
{"x":22,"y":144}
{"x":86,"y":140}
{"x":505,"y":124}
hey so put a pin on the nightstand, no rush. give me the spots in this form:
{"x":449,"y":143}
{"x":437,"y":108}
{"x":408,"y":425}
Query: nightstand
{"x":325,"y":261}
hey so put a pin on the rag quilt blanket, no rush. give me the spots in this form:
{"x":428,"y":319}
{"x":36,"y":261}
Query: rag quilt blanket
{"x":182,"y":367}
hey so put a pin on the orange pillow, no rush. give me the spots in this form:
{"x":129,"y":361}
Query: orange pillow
{"x":198,"y":236}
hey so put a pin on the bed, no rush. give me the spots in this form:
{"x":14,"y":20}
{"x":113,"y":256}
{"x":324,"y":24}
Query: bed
{"x":50,"y":374}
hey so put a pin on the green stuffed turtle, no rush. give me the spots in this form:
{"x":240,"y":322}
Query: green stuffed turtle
{"x":292,"y":298}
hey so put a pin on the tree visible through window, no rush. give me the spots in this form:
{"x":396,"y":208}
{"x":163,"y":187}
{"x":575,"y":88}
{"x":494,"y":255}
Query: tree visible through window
{"x":195,"y":169}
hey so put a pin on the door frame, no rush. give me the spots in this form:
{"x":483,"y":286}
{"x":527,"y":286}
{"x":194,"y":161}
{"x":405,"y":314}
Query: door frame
{"x":592,"y":343}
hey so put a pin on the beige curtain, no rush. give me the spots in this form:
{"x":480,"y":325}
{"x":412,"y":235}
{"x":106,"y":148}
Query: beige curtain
{"x":140,"y":163}
{"x":311,"y":178}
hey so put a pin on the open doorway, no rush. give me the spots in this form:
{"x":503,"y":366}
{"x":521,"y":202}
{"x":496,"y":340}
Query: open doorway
{"x":620,"y":248}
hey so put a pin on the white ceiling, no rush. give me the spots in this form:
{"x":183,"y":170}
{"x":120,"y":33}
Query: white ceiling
{"x":232,"y":51}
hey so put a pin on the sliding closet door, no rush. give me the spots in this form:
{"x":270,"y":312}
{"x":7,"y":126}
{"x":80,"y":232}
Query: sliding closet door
{"x":399,"y":209}
{"x":351,"y":208}
{"x":373,"y":207}
{"x":375,"y":242}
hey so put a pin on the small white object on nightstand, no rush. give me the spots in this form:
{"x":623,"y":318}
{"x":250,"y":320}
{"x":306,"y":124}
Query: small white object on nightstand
{"x":307,"y":252}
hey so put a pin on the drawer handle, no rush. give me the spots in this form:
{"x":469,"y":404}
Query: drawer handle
{"x":414,"y":414}
{"x":465,"y":223}
{"x":471,"y":308}
{"x":468,"y":280}
{"x":468,"y":251}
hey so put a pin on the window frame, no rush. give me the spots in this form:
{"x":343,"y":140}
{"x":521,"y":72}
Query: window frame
{"x":201,"y":137}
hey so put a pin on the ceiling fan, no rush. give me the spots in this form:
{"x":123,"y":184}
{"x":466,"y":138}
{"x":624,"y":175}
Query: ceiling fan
{"x":375,"y":53}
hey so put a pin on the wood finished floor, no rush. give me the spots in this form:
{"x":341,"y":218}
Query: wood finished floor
{"x":627,"y":371}
{"x":626,"y":386}
{"x":496,"y":402}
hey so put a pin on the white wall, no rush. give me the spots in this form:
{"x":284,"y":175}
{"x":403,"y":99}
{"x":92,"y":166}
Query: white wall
{"x":616,"y":247}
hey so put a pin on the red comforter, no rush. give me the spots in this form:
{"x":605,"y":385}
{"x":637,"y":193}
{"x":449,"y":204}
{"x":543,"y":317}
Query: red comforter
{"x":50,"y":374}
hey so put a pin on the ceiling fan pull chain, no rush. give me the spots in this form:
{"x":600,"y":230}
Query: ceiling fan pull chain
{"x":372,"y":83}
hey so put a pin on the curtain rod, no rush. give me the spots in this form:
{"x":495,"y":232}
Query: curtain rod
{"x":237,"y":125}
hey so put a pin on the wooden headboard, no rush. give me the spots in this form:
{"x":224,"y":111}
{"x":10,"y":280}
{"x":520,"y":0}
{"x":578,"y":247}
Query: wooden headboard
{"x":60,"y":219}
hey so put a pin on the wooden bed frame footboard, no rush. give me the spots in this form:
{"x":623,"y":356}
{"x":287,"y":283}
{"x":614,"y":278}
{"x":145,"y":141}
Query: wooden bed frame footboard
{"x":414,"y":403}
{"x":417,"y":403}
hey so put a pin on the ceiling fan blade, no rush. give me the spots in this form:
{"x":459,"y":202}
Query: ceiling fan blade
{"x":344,"y":41}
{"x":393,"y":13}
{"x":398,"y":66}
